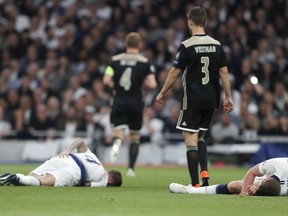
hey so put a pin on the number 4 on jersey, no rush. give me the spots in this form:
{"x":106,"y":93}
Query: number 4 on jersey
{"x":125,"y":80}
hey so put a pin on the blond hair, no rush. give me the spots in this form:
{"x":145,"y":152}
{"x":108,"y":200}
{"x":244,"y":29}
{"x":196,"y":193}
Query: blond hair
{"x":133,"y":40}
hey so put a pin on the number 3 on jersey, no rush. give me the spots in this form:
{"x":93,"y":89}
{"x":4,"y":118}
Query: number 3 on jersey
{"x":125,"y":80}
{"x":205,"y":61}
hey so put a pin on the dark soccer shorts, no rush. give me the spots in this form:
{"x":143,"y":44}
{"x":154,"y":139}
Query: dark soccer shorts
{"x":195,"y":120}
{"x":128,"y":113}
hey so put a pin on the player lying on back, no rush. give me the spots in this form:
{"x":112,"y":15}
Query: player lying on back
{"x":268,"y":178}
{"x":66,"y":169}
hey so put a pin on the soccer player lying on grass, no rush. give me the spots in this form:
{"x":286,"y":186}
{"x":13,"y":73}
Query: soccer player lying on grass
{"x":268,"y":178}
{"x":66,"y":169}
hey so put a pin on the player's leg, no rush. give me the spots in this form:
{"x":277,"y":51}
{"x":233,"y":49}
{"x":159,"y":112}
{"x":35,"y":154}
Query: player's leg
{"x":188,"y":122}
{"x":179,"y":188}
{"x":206,"y":117}
{"x":203,"y":160}
{"x":135,"y":120}
{"x":118,"y":137}
{"x":36,"y":180}
{"x":118,"y":121}
{"x":192,"y":156}
{"x":233,"y":187}
{"x":133,"y":152}
{"x":19,"y":179}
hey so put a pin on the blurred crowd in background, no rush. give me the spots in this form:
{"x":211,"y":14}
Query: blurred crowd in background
{"x":54,"y":53}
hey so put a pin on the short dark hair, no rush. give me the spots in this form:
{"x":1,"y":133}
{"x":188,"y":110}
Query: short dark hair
{"x":271,"y":187}
{"x":198,"y":15}
{"x":133,"y":40}
{"x":116,"y":178}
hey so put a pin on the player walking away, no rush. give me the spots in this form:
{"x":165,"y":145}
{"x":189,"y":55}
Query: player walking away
{"x":202,"y":61}
{"x":268,"y":178}
{"x":66,"y":169}
{"x":128,"y":74}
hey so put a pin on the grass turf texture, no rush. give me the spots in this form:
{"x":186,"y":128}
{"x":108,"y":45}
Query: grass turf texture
{"x":146,"y":194}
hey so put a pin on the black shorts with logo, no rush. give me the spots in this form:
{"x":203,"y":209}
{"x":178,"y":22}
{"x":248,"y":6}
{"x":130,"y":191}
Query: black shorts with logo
{"x":194,"y":120}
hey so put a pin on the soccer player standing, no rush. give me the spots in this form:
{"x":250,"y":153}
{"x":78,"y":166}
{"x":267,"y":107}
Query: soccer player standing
{"x":202,"y":60}
{"x":128,"y":74}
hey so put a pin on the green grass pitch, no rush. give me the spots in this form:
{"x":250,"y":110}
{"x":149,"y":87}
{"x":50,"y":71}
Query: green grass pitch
{"x":147,"y":194}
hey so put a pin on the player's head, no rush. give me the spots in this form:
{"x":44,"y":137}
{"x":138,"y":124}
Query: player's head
{"x":198,"y":16}
{"x":133,"y":40}
{"x":114,"y":178}
{"x":269,"y":187}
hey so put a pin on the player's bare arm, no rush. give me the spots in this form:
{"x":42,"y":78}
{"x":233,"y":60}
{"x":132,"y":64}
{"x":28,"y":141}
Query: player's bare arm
{"x":249,"y":180}
{"x":150,"y":82}
{"x":172,"y":77}
{"x":228,"y":102}
{"x":107,"y":80}
{"x":77,"y":144}
{"x":108,"y":77}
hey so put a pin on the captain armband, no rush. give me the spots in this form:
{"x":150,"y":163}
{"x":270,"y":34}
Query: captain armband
{"x":109,"y":70}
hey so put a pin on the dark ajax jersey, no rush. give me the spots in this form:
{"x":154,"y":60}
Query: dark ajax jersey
{"x":200,"y":57}
{"x":130,"y":71}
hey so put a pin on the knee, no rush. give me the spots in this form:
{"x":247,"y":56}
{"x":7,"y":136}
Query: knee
{"x":235,"y":187}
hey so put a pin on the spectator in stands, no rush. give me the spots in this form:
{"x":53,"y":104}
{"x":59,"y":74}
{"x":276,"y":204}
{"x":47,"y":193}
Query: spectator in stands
{"x":13,"y":100}
{"x":161,"y":53}
{"x":70,"y":125}
{"x":249,"y":128}
{"x":33,"y":76}
{"x":281,"y":62}
{"x":80,"y":105}
{"x":5,"y":126}
{"x":281,"y":97}
{"x":152,"y":127}
{"x":60,"y":79}
{"x":103,"y":118}
{"x":171,"y":134}
{"x":3,"y":88}
{"x":225,"y":131}
{"x":94,"y":131}
{"x":31,"y":59}
{"x":54,"y":109}
{"x":24,"y":88}
{"x":22,"y":117}
{"x":268,"y":76}
{"x":236,"y":95}
{"x":41,"y":126}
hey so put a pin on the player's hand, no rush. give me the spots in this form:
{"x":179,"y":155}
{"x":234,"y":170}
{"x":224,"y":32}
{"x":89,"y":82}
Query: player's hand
{"x":251,"y":190}
{"x":228,"y":105}
{"x":243,"y":193}
{"x":63,"y":154}
{"x":160,"y":98}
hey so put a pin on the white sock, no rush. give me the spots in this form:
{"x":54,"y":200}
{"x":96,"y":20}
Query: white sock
{"x":117,"y":142}
{"x":28,"y":180}
{"x":203,"y":190}
{"x":211,"y":189}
